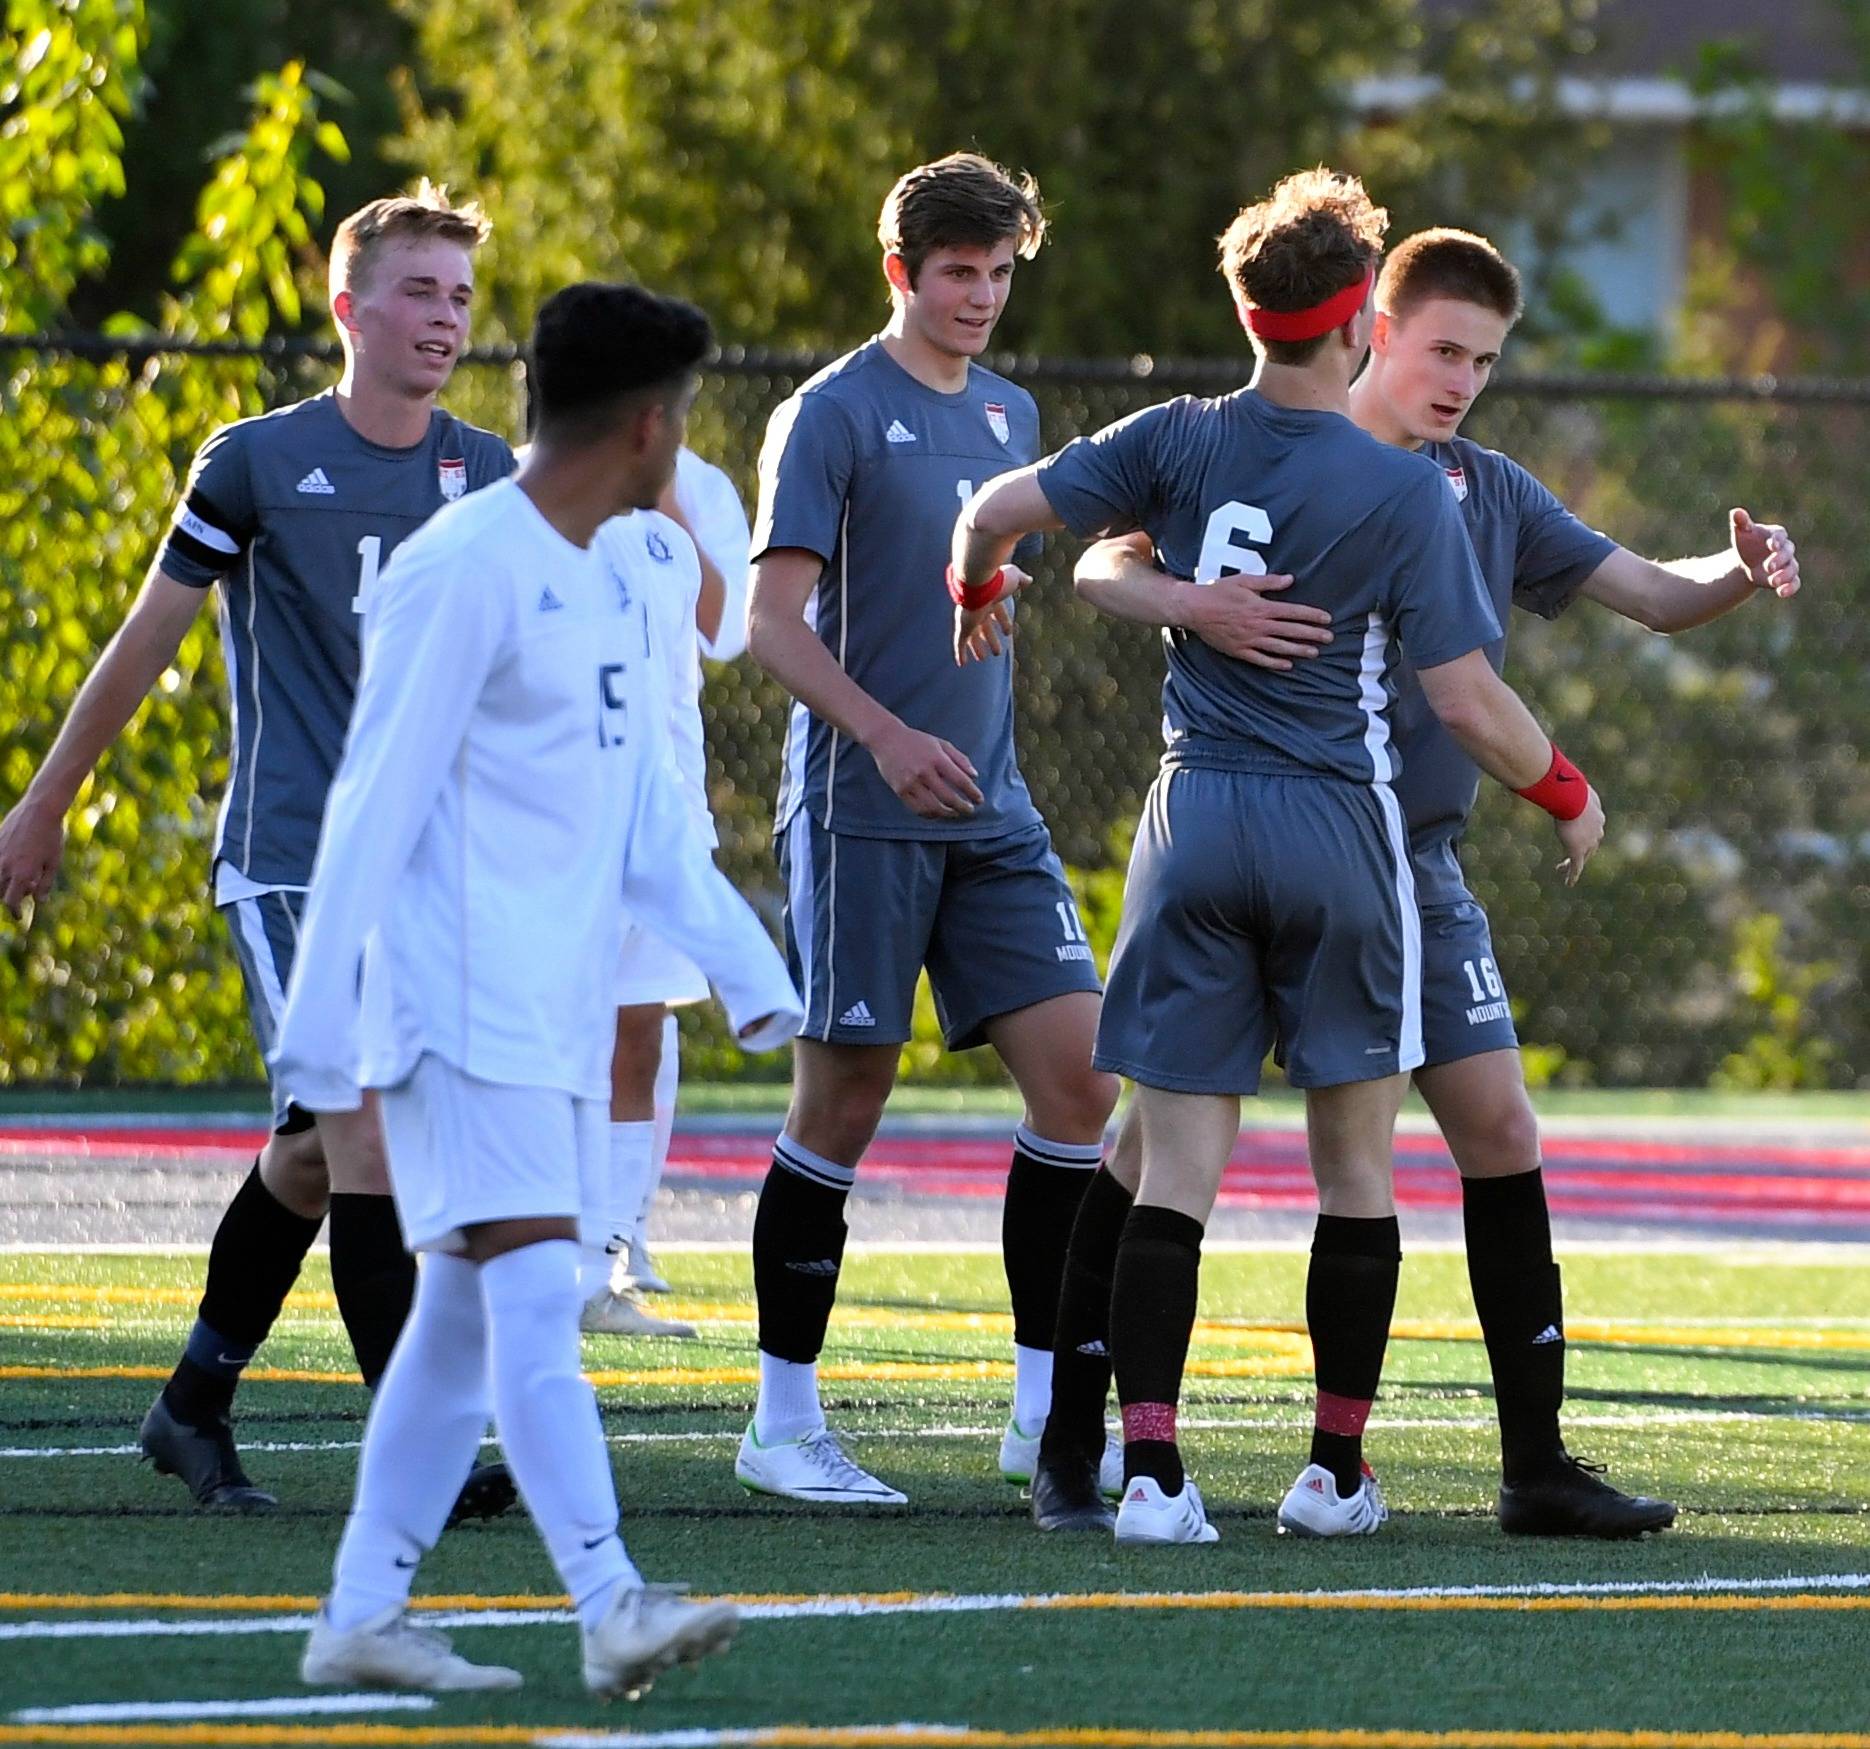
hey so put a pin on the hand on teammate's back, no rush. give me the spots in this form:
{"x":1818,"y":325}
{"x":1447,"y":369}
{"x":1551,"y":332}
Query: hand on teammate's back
{"x":1767,"y":552}
{"x":931,"y":776}
{"x":1581,"y":837}
{"x":32,"y":840}
{"x":1240,"y":618}
{"x":979,"y":634}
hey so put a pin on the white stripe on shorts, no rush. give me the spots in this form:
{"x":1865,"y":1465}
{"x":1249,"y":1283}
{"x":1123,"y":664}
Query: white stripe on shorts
{"x":1374,"y":700}
{"x":260,"y":950}
{"x":799,"y":899}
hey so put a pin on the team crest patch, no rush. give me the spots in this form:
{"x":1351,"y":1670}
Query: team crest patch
{"x":453,"y":477}
{"x":1457,"y":481}
{"x":996,"y":421}
{"x":659,"y":549}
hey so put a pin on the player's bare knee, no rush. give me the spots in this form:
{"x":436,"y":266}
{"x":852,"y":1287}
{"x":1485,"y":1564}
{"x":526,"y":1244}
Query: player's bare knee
{"x":1072,"y":1104}
{"x":1500,"y":1141}
{"x":838,"y":1095}
{"x":354,"y":1152}
{"x":292,"y":1167}
{"x":634,"y":1061}
{"x":1356,"y":1187}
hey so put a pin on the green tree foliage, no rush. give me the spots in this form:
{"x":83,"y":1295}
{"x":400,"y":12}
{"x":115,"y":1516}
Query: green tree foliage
{"x":122,"y":974}
{"x":736,"y":151}
{"x":1796,"y":209}
{"x":70,"y":77}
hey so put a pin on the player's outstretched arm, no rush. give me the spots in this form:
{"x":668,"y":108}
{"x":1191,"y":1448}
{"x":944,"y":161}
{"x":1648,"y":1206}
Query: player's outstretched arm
{"x":981,"y":577}
{"x":1488,"y":719}
{"x":32,"y":836}
{"x":1240,"y":616}
{"x":1685,"y":593}
{"x":671,"y":882}
{"x":932,"y":777}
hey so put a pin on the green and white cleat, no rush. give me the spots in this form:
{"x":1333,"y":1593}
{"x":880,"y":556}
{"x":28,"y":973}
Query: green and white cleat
{"x":1019,"y":1459}
{"x":814,"y":1467}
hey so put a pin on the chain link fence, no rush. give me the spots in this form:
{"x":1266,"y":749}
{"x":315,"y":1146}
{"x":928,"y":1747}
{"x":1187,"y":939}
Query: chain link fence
{"x":1718,"y":938}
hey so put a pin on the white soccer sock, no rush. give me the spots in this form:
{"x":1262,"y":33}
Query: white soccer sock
{"x":668,"y":1078}
{"x":1032,"y":1387}
{"x":604,"y":1232}
{"x":788,"y":1406}
{"x":425,"y":1428}
{"x":548,"y":1420}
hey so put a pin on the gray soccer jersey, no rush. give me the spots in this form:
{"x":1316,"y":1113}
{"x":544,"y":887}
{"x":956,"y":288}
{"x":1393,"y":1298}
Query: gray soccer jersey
{"x":1533,"y":554}
{"x":867,"y":467}
{"x":1369,"y":532}
{"x":294,"y":514}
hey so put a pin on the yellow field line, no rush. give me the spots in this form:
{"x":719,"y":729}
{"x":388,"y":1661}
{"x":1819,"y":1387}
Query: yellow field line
{"x":937,"y":1737}
{"x":848,"y":1372}
{"x":1227,"y":1331}
{"x":233,"y":1603}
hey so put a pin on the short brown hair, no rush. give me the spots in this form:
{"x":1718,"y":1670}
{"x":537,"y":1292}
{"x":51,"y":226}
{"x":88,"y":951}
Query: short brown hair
{"x":426,"y":213}
{"x":962,"y":201}
{"x":1314,"y":235}
{"x":1446,"y":263}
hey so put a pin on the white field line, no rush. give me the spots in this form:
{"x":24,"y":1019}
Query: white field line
{"x":1661,"y":1418}
{"x":944,"y":1603}
{"x":286,"y":1707}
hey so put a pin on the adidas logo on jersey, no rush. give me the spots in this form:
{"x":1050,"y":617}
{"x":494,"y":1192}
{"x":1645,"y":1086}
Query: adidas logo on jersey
{"x":1551,"y":1333}
{"x":315,"y":481}
{"x":858,"y":1014}
{"x":899,"y":433}
{"x":548,"y":602}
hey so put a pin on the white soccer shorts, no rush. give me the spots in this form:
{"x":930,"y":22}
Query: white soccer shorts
{"x":650,"y":970}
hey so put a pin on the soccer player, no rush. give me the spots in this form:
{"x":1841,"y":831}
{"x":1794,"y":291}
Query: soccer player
{"x":293,"y":514}
{"x":1270,"y":898}
{"x":1446,"y":301}
{"x":707,"y":614}
{"x":505,"y":790}
{"x":906,"y":834}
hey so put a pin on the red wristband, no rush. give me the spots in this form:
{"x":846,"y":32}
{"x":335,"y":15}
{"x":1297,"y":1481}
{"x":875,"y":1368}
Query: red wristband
{"x":974,"y":596}
{"x":1563,"y":792}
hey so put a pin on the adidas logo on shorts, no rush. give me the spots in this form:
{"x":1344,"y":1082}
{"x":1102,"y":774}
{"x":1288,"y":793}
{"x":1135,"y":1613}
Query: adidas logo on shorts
{"x":315,"y":481}
{"x":858,"y":1014}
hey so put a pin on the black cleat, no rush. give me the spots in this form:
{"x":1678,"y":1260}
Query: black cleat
{"x":487,"y":1493}
{"x":1065,"y":1495}
{"x":1571,"y":1499}
{"x":204,"y":1458}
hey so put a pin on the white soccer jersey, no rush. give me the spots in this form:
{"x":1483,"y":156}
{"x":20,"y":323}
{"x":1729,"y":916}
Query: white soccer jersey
{"x":665,"y":556}
{"x":719,"y":519}
{"x":505,"y":788}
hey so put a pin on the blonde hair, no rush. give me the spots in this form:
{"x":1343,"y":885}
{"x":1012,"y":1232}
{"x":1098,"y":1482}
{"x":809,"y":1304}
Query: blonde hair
{"x":426,"y":213}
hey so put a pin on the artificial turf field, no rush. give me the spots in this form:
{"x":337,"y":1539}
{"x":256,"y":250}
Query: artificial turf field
{"x":1735,"y":1381}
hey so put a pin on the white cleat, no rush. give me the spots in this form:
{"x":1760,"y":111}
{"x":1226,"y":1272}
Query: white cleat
{"x":650,"y":1629}
{"x":1019,"y":1458}
{"x":640,"y":1271}
{"x":623,"y":1314}
{"x":812,"y":1468}
{"x":390,"y":1651}
{"x":1148,"y":1515}
{"x":1312,"y":1507}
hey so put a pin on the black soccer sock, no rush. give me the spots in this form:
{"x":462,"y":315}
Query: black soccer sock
{"x":1350,"y":1294}
{"x":373,"y":1275}
{"x":1153,"y":1296}
{"x":1044,"y":1187}
{"x":1520,"y":1302}
{"x":1081,"y":1347}
{"x":258,"y":1250}
{"x":798,"y":1249}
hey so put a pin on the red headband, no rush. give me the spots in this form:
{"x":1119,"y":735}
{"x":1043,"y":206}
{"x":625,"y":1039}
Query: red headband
{"x":1334,"y":312}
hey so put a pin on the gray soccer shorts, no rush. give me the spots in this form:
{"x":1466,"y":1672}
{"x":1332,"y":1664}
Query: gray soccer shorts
{"x":265,"y":933}
{"x":993,"y":920}
{"x":1465,"y":1010}
{"x":1265,"y":912}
